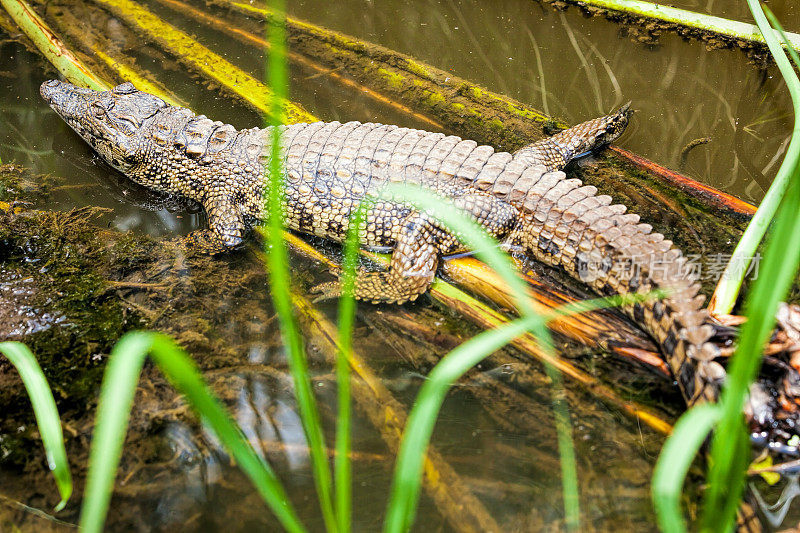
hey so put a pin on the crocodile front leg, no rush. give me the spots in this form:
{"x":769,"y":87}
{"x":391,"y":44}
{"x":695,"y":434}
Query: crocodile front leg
{"x":420,"y":240}
{"x":225,"y":228}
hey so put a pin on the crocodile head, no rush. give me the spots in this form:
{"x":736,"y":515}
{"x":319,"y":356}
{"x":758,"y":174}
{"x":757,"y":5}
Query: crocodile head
{"x":110,"y":121}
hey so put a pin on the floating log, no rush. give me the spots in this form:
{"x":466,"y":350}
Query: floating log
{"x":199,"y":58}
{"x":51,"y":47}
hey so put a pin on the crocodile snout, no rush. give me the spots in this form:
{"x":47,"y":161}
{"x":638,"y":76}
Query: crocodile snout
{"x":66,"y":99}
{"x":49,"y":89}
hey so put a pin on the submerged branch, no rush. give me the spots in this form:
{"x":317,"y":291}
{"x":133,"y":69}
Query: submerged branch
{"x":51,"y":46}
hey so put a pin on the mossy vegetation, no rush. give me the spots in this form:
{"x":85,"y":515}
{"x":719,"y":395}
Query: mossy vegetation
{"x":59,"y":304}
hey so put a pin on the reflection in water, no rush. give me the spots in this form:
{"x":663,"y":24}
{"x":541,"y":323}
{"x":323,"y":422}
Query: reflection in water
{"x":267,"y":419}
{"x":199,"y":469}
{"x":776,"y":513}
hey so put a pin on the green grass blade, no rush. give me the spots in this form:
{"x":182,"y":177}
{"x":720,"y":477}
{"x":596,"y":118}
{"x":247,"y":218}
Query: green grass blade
{"x":566,"y":451}
{"x":47,"y":419}
{"x":278,"y":262}
{"x":617,"y":300}
{"x":419,"y":427}
{"x":773,"y":20}
{"x":674,"y":461}
{"x":781,"y":259}
{"x":116,"y":398}
{"x":405,"y":491}
{"x":113,"y":412}
{"x":347,"y":310}
{"x":727,"y":290}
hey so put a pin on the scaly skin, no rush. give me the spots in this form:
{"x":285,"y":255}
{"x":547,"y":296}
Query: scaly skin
{"x":521,"y":198}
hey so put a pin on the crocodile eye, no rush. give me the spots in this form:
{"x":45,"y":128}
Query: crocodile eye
{"x":98,"y":110}
{"x":125,"y":88}
{"x":125,"y":126}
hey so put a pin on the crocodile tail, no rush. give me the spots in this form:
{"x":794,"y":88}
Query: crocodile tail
{"x":566,"y":224}
{"x":556,"y":151}
{"x":680,"y":324}
{"x":616,"y":254}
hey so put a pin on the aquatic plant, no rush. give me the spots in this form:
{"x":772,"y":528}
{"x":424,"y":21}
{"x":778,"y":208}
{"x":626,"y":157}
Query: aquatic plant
{"x":727,"y":290}
{"x":780,"y":263}
{"x":278,"y":266}
{"x":46,"y":412}
{"x":729,"y":453}
{"x":344,"y":356}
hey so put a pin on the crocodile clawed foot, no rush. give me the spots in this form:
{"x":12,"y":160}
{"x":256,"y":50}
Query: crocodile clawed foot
{"x":208,"y":242}
{"x":327,"y":291}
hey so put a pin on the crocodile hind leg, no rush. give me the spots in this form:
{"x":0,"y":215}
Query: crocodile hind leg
{"x":419,"y":243}
{"x":556,"y":151}
{"x":411,"y":271}
{"x":225,"y":228}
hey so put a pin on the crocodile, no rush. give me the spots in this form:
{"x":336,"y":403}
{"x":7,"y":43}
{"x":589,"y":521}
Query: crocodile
{"x":523,"y":199}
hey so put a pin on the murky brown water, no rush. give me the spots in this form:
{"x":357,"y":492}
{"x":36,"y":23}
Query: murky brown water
{"x":496,"y":430}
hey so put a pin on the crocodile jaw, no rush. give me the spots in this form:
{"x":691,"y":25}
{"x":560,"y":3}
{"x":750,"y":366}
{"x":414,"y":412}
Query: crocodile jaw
{"x":72,"y":104}
{"x":110,"y":121}
{"x":69,"y":101}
